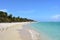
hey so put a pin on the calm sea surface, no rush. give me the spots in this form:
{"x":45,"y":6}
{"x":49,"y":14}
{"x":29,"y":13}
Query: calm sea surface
{"x":52,"y":29}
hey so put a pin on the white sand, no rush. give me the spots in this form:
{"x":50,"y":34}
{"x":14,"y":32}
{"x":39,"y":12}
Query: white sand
{"x":8,"y":31}
{"x":16,"y":31}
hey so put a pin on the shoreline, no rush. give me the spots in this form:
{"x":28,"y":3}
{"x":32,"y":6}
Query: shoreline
{"x":17,"y":31}
{"x":33,"y":33}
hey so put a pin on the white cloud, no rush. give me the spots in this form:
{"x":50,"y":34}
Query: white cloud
{"x":56,"y":17}
{"x":4,"y":10}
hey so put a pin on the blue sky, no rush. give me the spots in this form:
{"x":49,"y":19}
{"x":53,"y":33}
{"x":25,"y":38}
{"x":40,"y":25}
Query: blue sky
{"x":40,"y":10}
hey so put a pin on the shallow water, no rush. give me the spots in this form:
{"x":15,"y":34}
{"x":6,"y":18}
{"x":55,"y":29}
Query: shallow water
{"x":49,"y":30}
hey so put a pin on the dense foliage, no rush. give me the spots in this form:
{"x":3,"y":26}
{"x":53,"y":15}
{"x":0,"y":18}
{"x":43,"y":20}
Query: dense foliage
{"x":4,"y":17}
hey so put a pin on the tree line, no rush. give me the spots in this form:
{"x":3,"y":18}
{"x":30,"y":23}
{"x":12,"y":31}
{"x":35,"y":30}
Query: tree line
{"x":4,"y":17}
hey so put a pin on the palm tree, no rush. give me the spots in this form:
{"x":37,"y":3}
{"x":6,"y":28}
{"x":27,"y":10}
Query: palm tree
{"x":4,"y":17}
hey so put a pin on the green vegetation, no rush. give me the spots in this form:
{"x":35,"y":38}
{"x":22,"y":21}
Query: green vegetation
{"x":4,"y":17}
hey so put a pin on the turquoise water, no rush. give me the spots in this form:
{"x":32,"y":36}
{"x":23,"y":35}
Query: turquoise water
{"x":52,"y":29}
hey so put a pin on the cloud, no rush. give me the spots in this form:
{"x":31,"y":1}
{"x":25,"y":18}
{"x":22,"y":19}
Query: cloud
{"x":56,"y":17}
{"x":4,"y":10}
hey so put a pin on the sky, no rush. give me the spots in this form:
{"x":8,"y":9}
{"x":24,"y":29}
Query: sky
{"x":39,"y":10}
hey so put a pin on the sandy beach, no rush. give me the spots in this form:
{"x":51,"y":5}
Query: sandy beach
{"x":17,"y":31}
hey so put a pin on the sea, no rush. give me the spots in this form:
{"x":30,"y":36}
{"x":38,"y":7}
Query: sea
{"x":47,"y":30}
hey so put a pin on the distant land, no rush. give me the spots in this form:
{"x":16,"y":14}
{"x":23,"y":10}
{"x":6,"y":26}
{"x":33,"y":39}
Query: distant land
{"x":5,"y":17}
